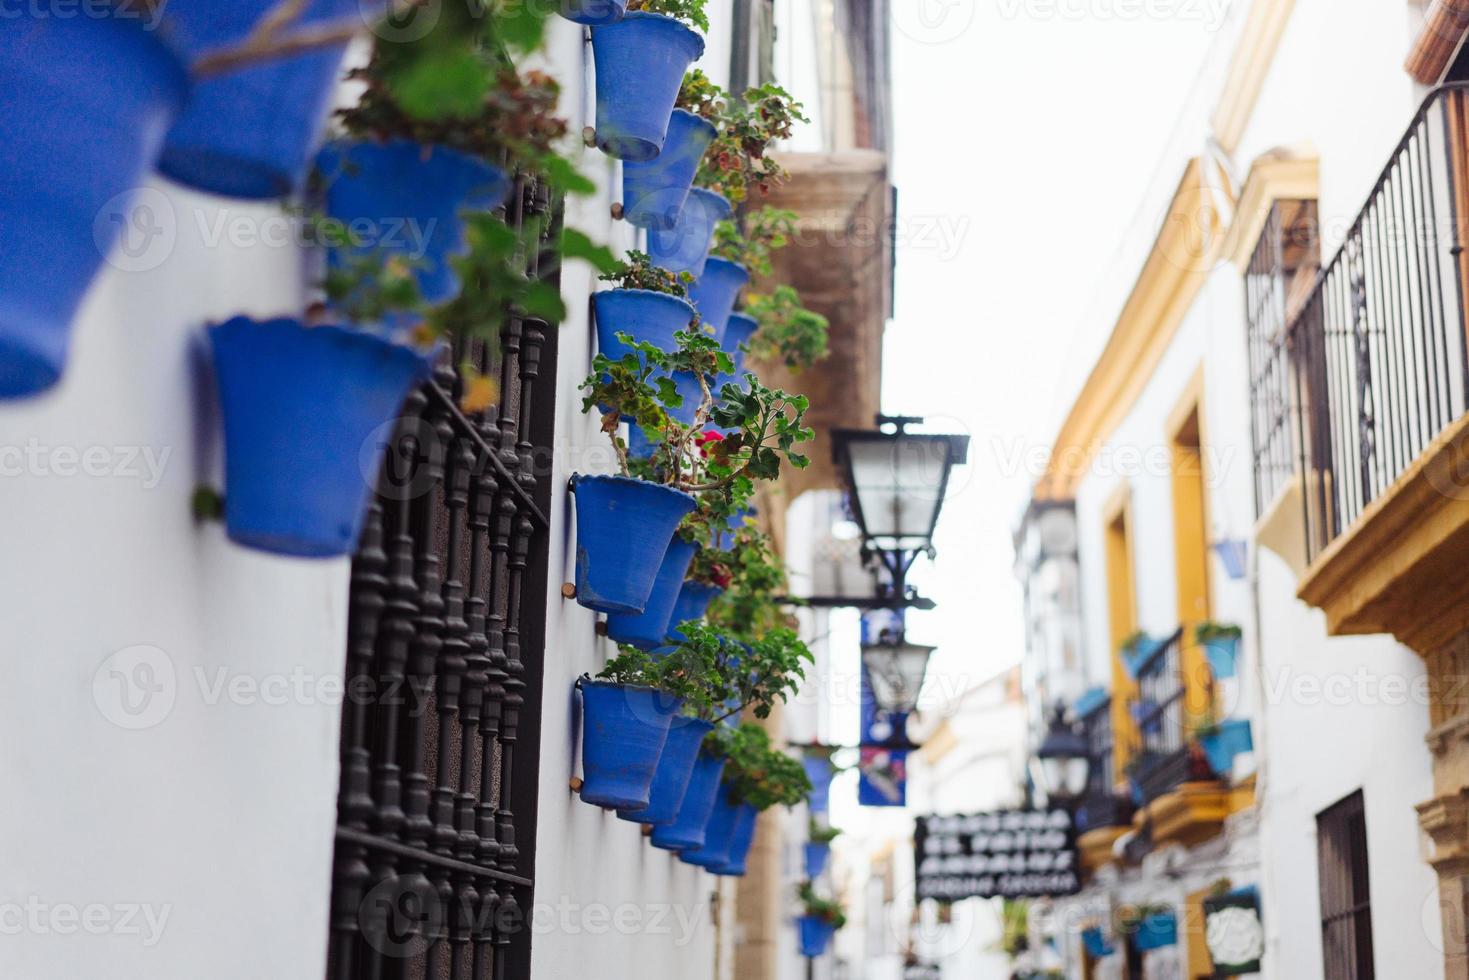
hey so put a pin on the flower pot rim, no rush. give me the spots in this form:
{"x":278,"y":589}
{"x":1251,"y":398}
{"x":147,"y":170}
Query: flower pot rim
{"x":619,"y":478}
{"x":708,"y":193}
{"x":731,"y":262}
{"x":744,"y":316}
{"x":352,"y":335}
{"x":598,"y":682}
{"x":679,"y":110}
{"x":632,"y":16}
{"x":648,"y":292}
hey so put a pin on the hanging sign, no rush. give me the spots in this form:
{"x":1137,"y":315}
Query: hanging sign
{"x":922,"y":971}
{"x":1006,"y":854}
{"x":883,"y":777}
{"x":1233,"y":932}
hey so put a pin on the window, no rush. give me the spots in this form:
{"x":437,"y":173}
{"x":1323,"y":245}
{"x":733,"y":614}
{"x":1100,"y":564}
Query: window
{"x":1346,"y":897}
{"x":436,"y":811}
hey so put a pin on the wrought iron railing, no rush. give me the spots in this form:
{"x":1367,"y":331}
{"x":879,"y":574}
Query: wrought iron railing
{"x":440,"y":731}
{"x":1102,"y":807}
{"x":1376,"y":355}
{"x":1162,"y":760}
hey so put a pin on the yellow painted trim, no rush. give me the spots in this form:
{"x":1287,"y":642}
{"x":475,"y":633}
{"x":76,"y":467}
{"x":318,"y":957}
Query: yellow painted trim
{"x":1186,"y":248}
{"x":1253,"y":55}
{"x":1272,"y":178}
{"x":1189,"y":815}
{"x":1242,"y":797}
{"x":1200,"y":963}
{"x":1398,"y":568}
{"x":1188,"y":480}
{"x":1096,"y":846}
{"x":1121,"y":620}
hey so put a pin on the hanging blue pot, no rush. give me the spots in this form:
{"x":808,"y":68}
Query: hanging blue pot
{"x":624,"y":729}
{"x":593,"y":13}
{"x":654,"y":192}
{"x":249,"y":133}
{"x":84,"y":106}
{"x":694,"y":812}
{"x":718,"y":834}
{"x":306,"y":423}
{"x":1223,"y":654}
{"x":1229,"y":739}
{"x":648,"y":629}
{"x":693,"y":602}
{"x":685,"y":246}
{"x":644,"y":315}
{"x":691,"y":395}
{"x":1096,"y":944}
{"x":816,"y":935}
{"x":740,"y":843}
{"x":641,"y":61}
{"x":737,"y":332}
{"x":1156,"y":931}
{"x":1135,"y":656}
{"x":820,"y":771}
{"x":714,"y":293}
{"x":816,"y":856}
{"x":623,"y":529}
{"x":404,"y":200}
{"x":675,"y":771}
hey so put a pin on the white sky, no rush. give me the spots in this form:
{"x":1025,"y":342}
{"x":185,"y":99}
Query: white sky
{"x":1026,"y":132}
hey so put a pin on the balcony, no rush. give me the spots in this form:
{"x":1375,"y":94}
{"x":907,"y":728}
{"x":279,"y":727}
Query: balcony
{"x":1162,"y":761}
{"x":1364,"y":392}
{"x":1104,"y":815}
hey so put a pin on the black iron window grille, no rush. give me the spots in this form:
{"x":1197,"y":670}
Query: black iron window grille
{"x":1286,"y":252}
{"x":1163,"y":759}
{"x":1377,"y":353}
{"x":440,"y":729}
{"x":1346,"y":894}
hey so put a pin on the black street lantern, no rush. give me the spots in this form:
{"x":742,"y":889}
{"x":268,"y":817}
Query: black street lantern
{"x":1065,"y":760}
{"x":896,"y":481}
{"x":897,"y":669}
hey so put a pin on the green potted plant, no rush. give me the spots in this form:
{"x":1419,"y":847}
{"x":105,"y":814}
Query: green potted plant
{"x":757,"y":777}
{"x":785,"y":331}
{"x":654,"y":191}
{"x":817,"y":851}
{"x":819,"y":921}
{"x":1221,"y":645}
{"x":739,"y":251}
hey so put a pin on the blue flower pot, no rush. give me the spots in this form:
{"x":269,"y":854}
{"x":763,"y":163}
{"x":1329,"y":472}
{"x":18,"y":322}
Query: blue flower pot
{"x":1134,"y":657}
{"x":693,"y":602}
{"x":648,"y":630}
{"x":403,"y":200}
{"x":718,"y":835}
{"x":1230,"y":739}
{"x":644,"y":315}
{"x":816,"y":935}
{"x":623,"y":529}
{"x":740,"y":844}
{"x":84,"y":106}
{"x":640,"y":61}
{"x":737,"y":332}
{"x":714,"y":293}
{"x":685,"y":246}
{"x":694,"y":812}
{"x":816,"y":856}
{"x":726,"y":539}
{"x":594,"y":13}
{"x":1096,"y":944}
{"x":1223,"y":654}
{"x":675,"y":771}
{"x":691,"y":394}
{"x":624,"y":729}
{"x":820,"y":771}
{"x":654,"y":191}
{"x":250,"y":133}
{"x":1156,"y":932}
{"x":307,"y":419}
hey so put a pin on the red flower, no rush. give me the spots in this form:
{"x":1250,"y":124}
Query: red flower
{"x":704,"y":439}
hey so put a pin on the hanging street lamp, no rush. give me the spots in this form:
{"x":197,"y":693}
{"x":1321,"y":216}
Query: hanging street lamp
{"x":897,"y":669}
{"x":1064,"y":758}
{"x":895,"y":482}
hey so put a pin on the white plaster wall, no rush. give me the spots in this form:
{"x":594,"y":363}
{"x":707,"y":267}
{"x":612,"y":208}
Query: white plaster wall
{"x":134,"y":788}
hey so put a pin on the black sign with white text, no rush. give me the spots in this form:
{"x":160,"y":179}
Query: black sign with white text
{"x":1006,"y":854}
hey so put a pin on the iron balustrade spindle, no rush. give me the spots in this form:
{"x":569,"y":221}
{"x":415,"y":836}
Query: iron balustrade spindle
{"x":1101,"y":806}
{"x":1163,"y":755}
{"x":440,"y":730}
{"x":1377,"y":355}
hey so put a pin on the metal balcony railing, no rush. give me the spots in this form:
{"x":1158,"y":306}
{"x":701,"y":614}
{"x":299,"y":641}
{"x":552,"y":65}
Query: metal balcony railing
{"x":1102,"y":807}
{"x":1162,"y":762}
{"x":1376,"y":356}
